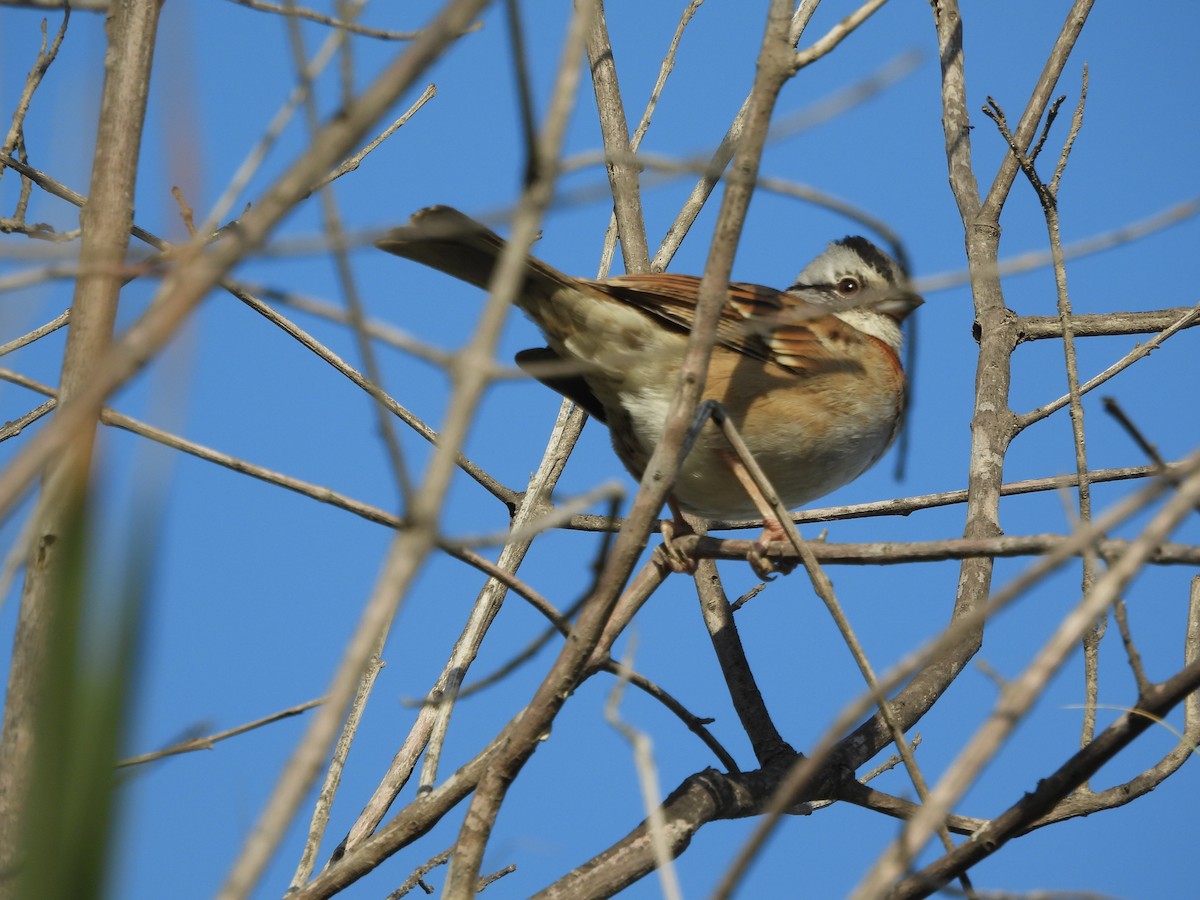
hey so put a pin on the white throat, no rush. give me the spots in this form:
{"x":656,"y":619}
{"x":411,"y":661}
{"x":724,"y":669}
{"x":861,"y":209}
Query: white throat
{"x":873,"y":323}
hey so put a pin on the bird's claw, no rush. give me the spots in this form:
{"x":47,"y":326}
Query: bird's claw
{"x":669,"y":555}
{"x":763,"y":567}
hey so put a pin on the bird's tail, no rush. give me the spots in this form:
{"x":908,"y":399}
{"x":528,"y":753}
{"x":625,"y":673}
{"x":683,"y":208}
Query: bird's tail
{"x":450,"y":241}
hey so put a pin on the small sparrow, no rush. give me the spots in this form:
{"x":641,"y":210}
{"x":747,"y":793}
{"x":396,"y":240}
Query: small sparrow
{"x":810,"y":376}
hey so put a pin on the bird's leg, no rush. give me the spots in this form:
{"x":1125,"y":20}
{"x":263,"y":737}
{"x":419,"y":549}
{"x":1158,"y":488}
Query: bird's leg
{"x":752,"y":478}
{"x":756,"y":484}
{"x":670,"y":555}
{"x":772,"y":529}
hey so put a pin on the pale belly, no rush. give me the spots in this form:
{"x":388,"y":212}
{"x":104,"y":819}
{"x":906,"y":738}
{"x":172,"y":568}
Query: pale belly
{"x":836,"y":442}
{"x":811,"y":433}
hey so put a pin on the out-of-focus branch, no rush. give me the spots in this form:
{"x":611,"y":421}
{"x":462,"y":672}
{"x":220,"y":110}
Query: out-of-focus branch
{"x":247,"y":296}
{"x":300,"y":12}
{"x":991,"y":421}
{"x":664,"y":71}
{"x":704,"y":798}
{"x":514,"y":750}
{"x":1037,"y":259}
{"x":525,"y":732}
{"x":54,"y":544}
{"x":75,"y":5}
{"x":466,"y":648}
{"x":1083,"y":803}
{"x":729,"y":143}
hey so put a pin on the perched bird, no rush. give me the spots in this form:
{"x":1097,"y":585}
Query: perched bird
{"x":810,"y":376}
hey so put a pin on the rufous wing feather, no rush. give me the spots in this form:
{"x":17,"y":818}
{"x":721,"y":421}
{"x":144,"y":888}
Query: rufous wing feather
{"x":761,"y":322}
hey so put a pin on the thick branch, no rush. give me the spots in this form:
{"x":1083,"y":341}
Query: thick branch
{"x":1037,"y":328}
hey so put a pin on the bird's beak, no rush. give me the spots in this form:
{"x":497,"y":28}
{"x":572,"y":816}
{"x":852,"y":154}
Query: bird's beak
{"x":900,"y":304}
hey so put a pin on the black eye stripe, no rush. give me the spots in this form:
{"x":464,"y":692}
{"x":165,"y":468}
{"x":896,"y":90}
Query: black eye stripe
{"x":831,"y":287}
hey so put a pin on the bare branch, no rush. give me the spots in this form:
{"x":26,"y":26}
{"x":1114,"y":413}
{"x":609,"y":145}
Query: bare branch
{"x":902,"y":506}
{"x":901,"y":552}
{"x":1036,"y":107}
{"x":1037,"y":259}
{"x":1187,"y":320}
{"x":300,"y":12}
{"x":333,"y":774}
{"x":643,"y":755}
{"x":622,"y":175}
{"x":355,"y":161}
{"x":1019,"y":695}
{"x":1027,"y":813}
{"x":764,"y":737}
{"x":66,"y":471}
{"x":835,"y":35}
{"x":208,"y":741}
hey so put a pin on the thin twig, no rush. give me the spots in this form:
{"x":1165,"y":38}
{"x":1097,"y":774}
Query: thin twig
{"x":13,"y":427}
{"x":1140,"y":351}
{"x":332,"y":223}
{"x":208,"y":741}
{"x":823,"y":587}
{"x":41,"y":64}
{"x":724,"y":153}
{"x":333,"y":774}
{"x":1038,"y":259}
{"x":1045,"y":804}
{"x":834,"y":747}
{"x":300,"y":12}
{"x":1021,"y":693}
{"x":417,"y":878}
{"x":247,"y":296}
{"x":635,"y":141}
{"x":1113,"y":408}
{"x":623,"y":169}
{"x":648,"y":781}
{"x":901,"y":552}
{"x":838,"y":33}
{"x":489,"y":794}
{"x":901,"y":506}
{"x":355,"y":161}
{"x":40,"y":332}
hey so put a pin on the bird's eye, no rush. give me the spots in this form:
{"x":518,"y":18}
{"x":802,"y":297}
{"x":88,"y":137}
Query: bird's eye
{"x":848,"y":286}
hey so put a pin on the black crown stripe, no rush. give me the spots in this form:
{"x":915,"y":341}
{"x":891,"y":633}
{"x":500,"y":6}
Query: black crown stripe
{"x":874,"y":257}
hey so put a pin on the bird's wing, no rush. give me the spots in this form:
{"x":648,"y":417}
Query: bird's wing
{"x":761,"y":322}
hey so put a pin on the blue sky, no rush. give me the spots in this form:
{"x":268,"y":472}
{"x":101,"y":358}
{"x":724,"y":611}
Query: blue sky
{"x":255,"y":589}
